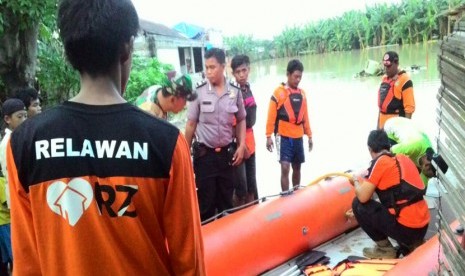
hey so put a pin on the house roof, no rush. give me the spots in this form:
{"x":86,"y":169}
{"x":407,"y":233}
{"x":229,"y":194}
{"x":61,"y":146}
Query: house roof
{"x":159,"y":29}
{"x":190,"y":30}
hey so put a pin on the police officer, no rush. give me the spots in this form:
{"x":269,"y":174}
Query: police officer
{"x":211,"y":117}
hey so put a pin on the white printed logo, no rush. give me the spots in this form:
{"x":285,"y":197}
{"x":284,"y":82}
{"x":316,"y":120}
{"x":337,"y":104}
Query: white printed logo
{"x":70,"y":200}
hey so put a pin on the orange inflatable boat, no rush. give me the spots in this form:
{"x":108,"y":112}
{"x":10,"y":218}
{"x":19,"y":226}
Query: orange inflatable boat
{"x":263,"y":236}
{"x":424,"y":260}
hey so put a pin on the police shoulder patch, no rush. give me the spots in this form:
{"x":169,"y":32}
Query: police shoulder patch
{"x":201,"y":83}
{"x":234,"y":84}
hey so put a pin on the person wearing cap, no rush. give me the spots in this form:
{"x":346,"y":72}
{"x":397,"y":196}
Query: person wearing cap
{"x":211,"y":120}
{"x":172,"y":95}
{"x":395,"y":95}
{"x":406,"y":138}
{"x":14,"y":113}
{"x":31,"y":100}
{"x":98,"y":186}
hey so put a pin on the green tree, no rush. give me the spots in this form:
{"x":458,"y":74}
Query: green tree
{"x":290,"y":42}
{"x":19,"y":25}
{"x":241,"y":44}
{"x":354,"y":28}
{"x":378,"y":16}
{"x":57,"y":79}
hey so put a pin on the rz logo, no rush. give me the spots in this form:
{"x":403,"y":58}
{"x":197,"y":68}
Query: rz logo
{"x":122,"y":211}
{"x":71,"y":200}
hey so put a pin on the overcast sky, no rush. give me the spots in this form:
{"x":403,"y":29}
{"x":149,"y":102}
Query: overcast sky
{"x":262,"y":19}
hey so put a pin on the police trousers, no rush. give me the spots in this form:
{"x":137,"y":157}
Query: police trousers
{"x":214,"y":178}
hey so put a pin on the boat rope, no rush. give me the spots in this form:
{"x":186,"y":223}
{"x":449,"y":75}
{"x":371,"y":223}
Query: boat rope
{"x":229,"y":211}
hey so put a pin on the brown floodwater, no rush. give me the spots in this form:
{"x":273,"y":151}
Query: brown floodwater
{"x":342,"y":108}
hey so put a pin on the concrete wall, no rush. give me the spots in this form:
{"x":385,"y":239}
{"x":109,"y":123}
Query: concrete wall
{"x":170,"y":56}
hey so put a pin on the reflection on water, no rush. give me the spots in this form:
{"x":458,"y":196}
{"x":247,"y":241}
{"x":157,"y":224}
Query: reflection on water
{"x":342,"y":109}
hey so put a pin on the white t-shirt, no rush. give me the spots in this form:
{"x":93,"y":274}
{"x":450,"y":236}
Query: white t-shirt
{"x":3,"y":145}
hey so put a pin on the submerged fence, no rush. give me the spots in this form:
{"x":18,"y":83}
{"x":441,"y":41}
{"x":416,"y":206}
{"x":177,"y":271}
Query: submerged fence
{"x":451,"y":142}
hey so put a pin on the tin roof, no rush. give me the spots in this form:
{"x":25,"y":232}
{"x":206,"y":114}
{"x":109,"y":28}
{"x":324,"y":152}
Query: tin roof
{"x":159,"y":29}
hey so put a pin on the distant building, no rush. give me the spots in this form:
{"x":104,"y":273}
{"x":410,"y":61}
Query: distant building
{"x":171,"y":47}
{"x":183,"y":46}
{"x":215,"y":38}
{"x":449,"y":18}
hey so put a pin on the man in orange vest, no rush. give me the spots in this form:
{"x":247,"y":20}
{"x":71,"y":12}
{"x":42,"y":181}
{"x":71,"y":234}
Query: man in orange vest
{"x":395,"y":95}
{"x":288,"y":120}
{"x":401,"y":212}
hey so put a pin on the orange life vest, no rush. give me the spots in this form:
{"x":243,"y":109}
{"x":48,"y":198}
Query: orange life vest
{"x":408,"y":191}
{"x":291,"y":109}
{"x":387,"y":102}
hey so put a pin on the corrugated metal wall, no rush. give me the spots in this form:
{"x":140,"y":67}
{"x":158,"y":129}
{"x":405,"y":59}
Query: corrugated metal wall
{"x":451,"y":140}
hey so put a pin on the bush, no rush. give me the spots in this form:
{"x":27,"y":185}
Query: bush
{"x":145,"y":72}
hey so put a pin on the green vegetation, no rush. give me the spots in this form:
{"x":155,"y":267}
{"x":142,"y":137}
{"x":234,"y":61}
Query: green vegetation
{"x":31,"y":54}
{"x":410,"y":21}
{"x":145,"y":72}
{"x":19,"y":25}
{"x":57,"y":79}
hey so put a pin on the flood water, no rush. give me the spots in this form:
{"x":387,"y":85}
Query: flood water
{"x":342,"y":108}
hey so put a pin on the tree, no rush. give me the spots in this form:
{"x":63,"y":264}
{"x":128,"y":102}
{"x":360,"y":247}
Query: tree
{"x":19,"y":25}
{"x":57,"y":79}
{"x":240,"y":44}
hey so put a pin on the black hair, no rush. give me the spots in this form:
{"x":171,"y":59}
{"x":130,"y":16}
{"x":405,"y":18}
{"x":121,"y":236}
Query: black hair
{"x":217,"y":53}
{"x":378,"y":140}
{"x":239,"y":60}
{"x":27,"y":95}
{"x":294,"y":65}
{"x":94,"y":32}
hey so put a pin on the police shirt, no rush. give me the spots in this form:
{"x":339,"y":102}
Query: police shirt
{"x":215,"y":113}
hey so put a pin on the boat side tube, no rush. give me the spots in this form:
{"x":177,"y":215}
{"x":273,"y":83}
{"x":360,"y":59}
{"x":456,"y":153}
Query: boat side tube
{"x":425,"y":260}
{"x":261,"y":237}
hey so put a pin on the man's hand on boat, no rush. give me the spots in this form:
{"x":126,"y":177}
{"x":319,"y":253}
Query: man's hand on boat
{"x":269,"y":144}
{"x":354,"y":178}
{"x":350,"y":214}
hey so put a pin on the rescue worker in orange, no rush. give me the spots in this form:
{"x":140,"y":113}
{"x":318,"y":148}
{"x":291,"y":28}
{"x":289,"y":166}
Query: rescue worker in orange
{"x":395,"y":95}
{"x":402,"y":213}
{"x":288,"y":120}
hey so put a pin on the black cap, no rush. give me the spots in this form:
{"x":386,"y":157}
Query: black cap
{"x":440,"y":163}
{"x":10,"y":106}
{"x":390,"y":57}
{"x":437,"y":160}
